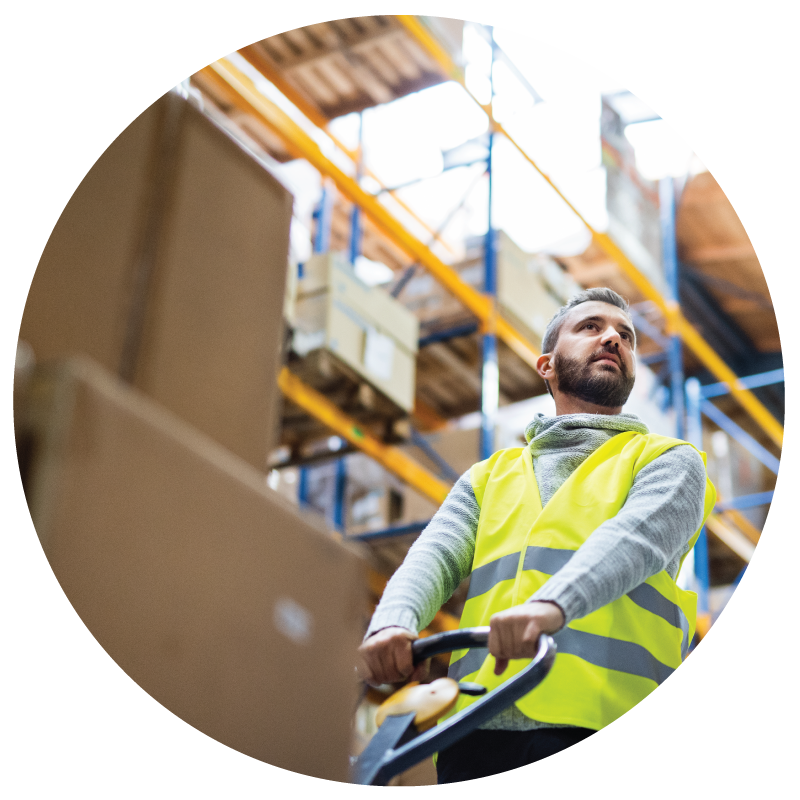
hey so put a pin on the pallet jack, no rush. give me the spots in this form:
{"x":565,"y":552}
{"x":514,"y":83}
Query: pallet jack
{"x":408,"y":732}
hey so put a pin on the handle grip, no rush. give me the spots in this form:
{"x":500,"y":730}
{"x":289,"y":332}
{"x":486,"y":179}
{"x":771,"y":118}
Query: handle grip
{"x":448,"y":641}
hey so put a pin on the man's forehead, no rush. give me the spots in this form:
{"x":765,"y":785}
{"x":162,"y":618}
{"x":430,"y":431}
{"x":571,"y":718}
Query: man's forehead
{"x":597,"y":308}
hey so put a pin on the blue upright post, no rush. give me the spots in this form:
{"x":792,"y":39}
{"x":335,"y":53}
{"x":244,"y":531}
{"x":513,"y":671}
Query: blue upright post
{"x":302,"y":486}
{"x":340,"y":487}
{"x":321,"y":244}
{"x":355,"y":214}
{"x":490,"y":376}
{"x":339,"y":492}
{"x":669,"y":257}
{"x":695,"y":436}
{"x":322,"y":214}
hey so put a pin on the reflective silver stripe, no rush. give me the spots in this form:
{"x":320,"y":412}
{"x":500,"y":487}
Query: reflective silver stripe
{"x":468,"y":663}
{"x":550,"y":560}
{"x":650,"y":599}
{"x":602,"y":651}
{"x":489,"y":575}
{"x":546,"y":559}
{"x":615,"y":654}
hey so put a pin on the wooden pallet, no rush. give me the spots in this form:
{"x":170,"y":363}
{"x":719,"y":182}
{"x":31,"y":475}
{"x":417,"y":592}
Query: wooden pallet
{"x":349,"y":391}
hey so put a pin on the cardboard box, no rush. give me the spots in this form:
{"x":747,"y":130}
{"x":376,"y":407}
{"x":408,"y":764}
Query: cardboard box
{"x":522,"y":292}
{"x":365,"y":327}
{"x":232,"y":610}
{"x":530,"y":290}
{"x":168,"y":267}
{"x":374,"y":496}
{"x":460,"y":449}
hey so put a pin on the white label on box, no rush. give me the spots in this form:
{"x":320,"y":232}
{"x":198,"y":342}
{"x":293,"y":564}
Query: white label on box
{"x":303,"y":343}
{"x":379,"y":354}
{"x":365,"y":507}
{"x":292,"y":620}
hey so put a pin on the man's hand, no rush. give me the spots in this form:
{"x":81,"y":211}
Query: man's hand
{"x":514,"y":633}
{"x":386,"y":658}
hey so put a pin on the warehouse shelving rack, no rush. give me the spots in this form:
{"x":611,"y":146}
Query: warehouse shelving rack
{"x":242,"y":94}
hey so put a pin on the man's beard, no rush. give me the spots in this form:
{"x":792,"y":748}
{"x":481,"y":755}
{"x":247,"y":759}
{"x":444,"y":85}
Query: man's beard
{"x":602,"y":387}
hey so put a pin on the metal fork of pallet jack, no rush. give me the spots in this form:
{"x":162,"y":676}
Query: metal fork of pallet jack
{"x":397,"y":745}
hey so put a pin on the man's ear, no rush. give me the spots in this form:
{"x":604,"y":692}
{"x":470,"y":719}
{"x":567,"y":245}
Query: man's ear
{"x":544,"y":366}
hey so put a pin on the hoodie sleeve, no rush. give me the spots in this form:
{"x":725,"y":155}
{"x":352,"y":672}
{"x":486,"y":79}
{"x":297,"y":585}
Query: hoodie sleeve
{"x":651,"y":532}
{"x":435,"y":565}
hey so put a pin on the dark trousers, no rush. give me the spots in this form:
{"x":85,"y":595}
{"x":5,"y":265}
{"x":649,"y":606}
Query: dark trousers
{"x":483,"y":753}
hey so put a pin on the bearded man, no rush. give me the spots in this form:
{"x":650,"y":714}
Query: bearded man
{"x":581,"y":535}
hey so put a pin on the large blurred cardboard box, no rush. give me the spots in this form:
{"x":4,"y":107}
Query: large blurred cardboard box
{"x":206,"y":587}
{"x":168,"y":266}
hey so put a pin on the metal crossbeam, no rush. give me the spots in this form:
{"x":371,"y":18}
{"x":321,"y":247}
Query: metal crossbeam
{"x":445,"y":470}
{"x":392,"y":532}
{"x":745,"y":501}
{"x":394,"y":459}
{"x":448,"y":334}
{"x":741,"y":436}
{"x":750,"y":382}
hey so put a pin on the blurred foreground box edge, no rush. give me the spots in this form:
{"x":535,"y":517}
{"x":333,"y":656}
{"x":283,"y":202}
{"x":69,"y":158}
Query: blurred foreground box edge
{"x":168,"y":267}
{"x":208,"y":589}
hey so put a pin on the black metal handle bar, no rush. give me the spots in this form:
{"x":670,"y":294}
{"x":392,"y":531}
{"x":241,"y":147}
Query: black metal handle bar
{"x":448,"y":641}
{"x":448,"y":733}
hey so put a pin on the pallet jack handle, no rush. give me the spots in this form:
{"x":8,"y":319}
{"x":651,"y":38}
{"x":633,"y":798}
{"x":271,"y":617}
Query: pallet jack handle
{"x":447,"y":642}
{"x":473,"y":716}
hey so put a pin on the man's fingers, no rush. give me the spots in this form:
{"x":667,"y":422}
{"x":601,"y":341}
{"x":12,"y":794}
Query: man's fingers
{"x":493,"y":642}
{"x":401,"y":661}
{"x":499,"y":642}
{"x":386,"y":656}
{"x":421,"y":671}
{"x":531,"y":639}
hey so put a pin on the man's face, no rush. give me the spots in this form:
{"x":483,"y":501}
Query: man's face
{"x":594,"y":357}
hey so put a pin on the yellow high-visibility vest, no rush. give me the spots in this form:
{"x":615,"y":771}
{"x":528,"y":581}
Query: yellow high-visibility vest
{"x":615,"y":656}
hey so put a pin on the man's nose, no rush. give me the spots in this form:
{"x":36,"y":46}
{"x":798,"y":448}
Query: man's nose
{"x":610,"y":336}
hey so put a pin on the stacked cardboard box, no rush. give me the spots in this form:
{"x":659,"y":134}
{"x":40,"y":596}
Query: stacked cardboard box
{"x":523,"y":294}
{"x":143,"y":459}
{"x":167,"y":266}
{"x":233,"y":611}
{"x":371,"y":332}
{"x":530,"y":290}
{"x":374,"y":496}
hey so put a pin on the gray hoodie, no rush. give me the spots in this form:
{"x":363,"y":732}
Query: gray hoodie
{"x":650,"y":533}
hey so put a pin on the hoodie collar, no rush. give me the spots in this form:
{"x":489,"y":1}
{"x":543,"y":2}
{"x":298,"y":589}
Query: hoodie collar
{"x":571,"y":429}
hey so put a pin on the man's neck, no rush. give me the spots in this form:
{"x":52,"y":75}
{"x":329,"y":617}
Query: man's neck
{"x":566,"y":404}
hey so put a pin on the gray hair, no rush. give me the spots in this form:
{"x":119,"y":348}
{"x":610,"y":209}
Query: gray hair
{"x":601,"y":294}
